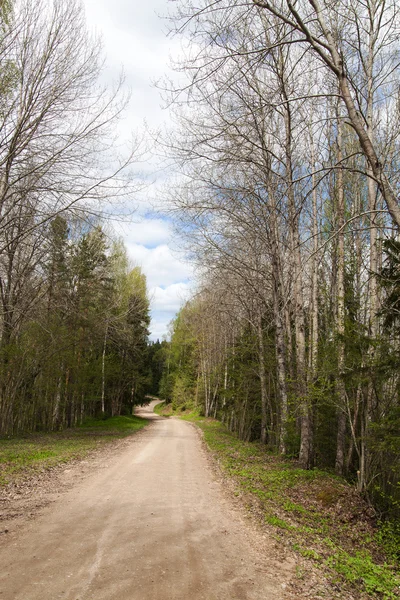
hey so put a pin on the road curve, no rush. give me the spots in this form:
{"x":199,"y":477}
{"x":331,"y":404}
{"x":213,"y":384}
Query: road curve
{"x":151,"y":525}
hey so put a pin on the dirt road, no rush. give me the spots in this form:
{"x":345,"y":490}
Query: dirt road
{"x":153,"y":524}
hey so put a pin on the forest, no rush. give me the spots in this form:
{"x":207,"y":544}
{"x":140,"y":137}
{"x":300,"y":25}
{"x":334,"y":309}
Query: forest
{"x":278,"y":166}
{"x":74,"y":311}
{"x":285,"y":148}
{"x":286,"y":143}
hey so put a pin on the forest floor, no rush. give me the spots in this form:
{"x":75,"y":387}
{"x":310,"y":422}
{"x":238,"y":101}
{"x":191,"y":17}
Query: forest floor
{"x":158,"y":516}
{"x":341,"y":548}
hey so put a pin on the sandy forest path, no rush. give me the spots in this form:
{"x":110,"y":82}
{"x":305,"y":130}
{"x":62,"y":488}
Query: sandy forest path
{"x":151,"y":524}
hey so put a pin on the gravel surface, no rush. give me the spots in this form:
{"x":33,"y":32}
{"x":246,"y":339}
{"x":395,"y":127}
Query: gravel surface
{"x":149,"y":521}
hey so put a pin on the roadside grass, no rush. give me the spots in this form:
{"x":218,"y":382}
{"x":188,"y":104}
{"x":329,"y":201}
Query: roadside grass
{"x":35,"y":453}
{"x":184,"y":412}
{"x":166,"y":410}
{"x":163,"y":409}
{"x":319,"y":515}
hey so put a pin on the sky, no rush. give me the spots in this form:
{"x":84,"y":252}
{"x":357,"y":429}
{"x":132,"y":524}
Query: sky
{"x":134,"y":39}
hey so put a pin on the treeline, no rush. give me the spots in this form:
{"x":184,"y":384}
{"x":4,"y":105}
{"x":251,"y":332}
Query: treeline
{"x":74,"y":315}
{"x":288,"y":152}
{"x":74,"y":344}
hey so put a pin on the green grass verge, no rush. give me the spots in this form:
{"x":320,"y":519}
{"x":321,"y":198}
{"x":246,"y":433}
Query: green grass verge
{"x":318,"y":514}
{"x":166,"y":410}
{"x":163,"y":409}
{"x":25,"y":456}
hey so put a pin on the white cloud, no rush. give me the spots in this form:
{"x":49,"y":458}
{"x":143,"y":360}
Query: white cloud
{"x":134,"y":38}
{"x":161,"y":267}
{"x":147,"y":232}
{"x":171,"y":298}
{"x":168,"y":278}
{"x":159,"y":328}
{"x":165,"y":303}
{"x":134,"y":18}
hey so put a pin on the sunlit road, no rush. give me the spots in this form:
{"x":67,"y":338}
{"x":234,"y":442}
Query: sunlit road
{"x":151,"y":525}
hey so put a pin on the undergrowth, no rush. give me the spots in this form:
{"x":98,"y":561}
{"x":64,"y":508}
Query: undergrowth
{"x":318,"y":514}
{"x":37,"y":452}
{"x":163,"y":409}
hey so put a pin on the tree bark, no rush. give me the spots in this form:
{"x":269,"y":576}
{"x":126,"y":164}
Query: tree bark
{"x":340,"y":319}
{"x":306,"y":433}
{"x":263,"y":380}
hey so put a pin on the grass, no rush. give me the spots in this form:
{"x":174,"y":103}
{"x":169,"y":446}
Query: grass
{"x":164,"y":410}
{"x":319,"y":515}
{"x":35,"y":453}
{"x":184,"y":412}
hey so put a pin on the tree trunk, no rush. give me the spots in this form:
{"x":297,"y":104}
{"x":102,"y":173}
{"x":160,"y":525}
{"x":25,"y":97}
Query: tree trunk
{"x":263,"y":379}
{"x":314,"y":273}
{"x":340,"y":324}
{"x":103,"y":372}
{"x":373,"y":265}
{"x":306,"y":433}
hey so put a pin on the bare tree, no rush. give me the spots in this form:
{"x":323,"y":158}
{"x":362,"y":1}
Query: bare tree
{"x":57,"y":123}
{"x":329,"y":32}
